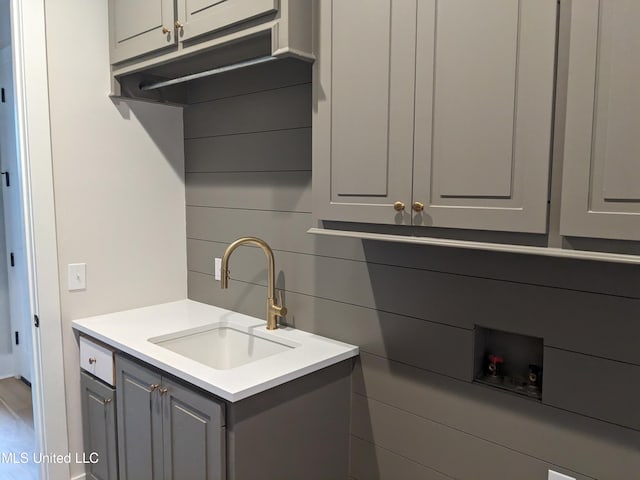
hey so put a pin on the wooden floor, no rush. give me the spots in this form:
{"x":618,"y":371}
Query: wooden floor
{"x":16,"y":431}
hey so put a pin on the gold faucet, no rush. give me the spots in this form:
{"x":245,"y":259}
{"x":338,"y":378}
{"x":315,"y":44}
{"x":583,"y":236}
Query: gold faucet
{"x":273,"y":310}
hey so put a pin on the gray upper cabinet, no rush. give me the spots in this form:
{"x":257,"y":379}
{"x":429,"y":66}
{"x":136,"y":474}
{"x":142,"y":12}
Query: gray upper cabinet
{"x":483,"y":113}
{"x":443,"y":105}
{"x":145,"y":34}
{"x":166,"y":430}
{"x":143,"y":26}
{"x":198,"y":17}
{"x":363,"y":122}
{"x":601,"y":171}
{"x":139,"y":27}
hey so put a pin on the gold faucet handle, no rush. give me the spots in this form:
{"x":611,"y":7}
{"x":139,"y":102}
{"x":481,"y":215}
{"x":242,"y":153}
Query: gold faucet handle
{"x":281,"y":310}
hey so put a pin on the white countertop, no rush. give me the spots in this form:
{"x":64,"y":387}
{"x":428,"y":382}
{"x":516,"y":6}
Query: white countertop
{"x":129,"y":332}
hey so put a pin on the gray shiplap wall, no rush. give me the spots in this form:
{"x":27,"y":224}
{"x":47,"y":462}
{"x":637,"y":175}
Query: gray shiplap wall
{"x":412,"y":309}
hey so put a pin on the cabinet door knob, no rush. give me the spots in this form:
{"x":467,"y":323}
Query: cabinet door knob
{"x":417,"y":206}
{"x":178,"y":24}
{"x":107,"y":401}
{"x":92,"y":360}
{"x":398,"y":206}
{"x":165,"y":30}
{"x":153,"y":387}
{"x":163,"y":390}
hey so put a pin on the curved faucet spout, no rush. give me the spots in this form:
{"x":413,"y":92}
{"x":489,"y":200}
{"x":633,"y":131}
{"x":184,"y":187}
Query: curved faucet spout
{"x":224,"y":279}
{"x":273,"y":310}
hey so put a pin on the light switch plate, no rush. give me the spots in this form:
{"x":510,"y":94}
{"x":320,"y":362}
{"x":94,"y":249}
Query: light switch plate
{"x":217,"y":268}
{"x":559,"y":476}
{"x":77,"y":277}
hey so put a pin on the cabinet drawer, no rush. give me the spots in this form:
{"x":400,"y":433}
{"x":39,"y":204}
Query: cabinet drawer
{"x":97,"y":360}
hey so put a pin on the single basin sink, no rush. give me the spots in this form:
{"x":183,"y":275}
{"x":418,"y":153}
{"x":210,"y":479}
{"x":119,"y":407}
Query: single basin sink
{"x":221,"y":346}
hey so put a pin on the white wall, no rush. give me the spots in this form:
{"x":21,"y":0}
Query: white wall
{"x":119,"y":185}
{"x":5,"y":23}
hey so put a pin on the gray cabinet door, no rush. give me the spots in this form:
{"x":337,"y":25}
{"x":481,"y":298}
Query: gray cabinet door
{"x":483,"y":113}
{"x":166,"y":431}
{"x":99,"y":428}
{"x":205,"y":16}
{"x":136,"y":27}
{"x":601,"y":170}
{"x":139,"y":422}
{"x":363,"y":110}
{"x":193,"y":434}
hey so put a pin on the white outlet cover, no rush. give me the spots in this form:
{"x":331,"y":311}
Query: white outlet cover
{"x":77,"y":276}
{"x":217,"y":268}
{"x":559,"y":476}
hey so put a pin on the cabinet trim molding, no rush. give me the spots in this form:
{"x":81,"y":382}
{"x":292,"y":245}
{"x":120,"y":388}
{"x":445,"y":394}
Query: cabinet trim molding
{"x":495,"y":247}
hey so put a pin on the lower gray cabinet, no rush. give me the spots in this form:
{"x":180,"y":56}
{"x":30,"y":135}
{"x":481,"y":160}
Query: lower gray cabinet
{"x":194,"y":434}
{"x":166,"y":430}
{"x":139,"y":422}
{"x":99,"y":426}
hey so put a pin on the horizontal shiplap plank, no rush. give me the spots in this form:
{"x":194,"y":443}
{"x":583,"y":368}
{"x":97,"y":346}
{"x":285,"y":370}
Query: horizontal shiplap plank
{"x":282,"y":191}
{"x":587,"y":276}
{"x":605,"y":323}
{"x":439,"y":348}
{"x":369,"y":462}
{"x":280,"y":229}
{"x":595,"y":448}
{"x":341,"y":280}
{"x":265,"y":76}
{"x":441,"y":448}
{"x":592,"y":386}
{"x":280,"y":109}
{"x":250,"y":152}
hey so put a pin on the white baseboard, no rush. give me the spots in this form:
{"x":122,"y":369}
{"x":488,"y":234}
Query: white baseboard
{"x":6,"y":365}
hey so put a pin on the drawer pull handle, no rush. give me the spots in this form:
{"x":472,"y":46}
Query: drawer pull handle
{"x":92,"y":360}
{"x":107,"y":401}
{"x":153,"y":387}
{"x":163,"y":390}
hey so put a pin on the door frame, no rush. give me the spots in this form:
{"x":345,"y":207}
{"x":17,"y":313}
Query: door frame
{"x":36,"y":177}
{"x":8,"y":362}
{"x":19,"y":363}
